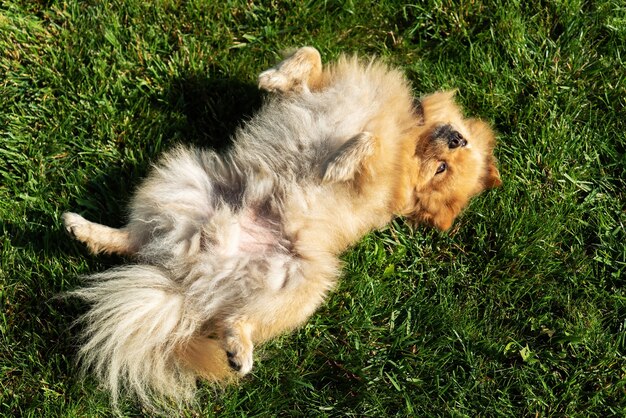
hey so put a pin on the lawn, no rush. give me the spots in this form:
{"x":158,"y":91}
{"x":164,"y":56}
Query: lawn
{"x":518,"y":310}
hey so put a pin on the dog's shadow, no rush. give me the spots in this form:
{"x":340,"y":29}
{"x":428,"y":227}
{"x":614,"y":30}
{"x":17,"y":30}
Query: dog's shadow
{"x":208,"y":112}
{"x":214,"y":108}
{"x":196,"y":110}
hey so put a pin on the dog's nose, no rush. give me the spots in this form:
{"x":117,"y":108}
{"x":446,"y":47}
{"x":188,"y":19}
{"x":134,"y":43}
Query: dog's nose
{"x":455,"y":140}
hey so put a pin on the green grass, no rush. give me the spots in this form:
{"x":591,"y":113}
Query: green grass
{"x":519,"y":310}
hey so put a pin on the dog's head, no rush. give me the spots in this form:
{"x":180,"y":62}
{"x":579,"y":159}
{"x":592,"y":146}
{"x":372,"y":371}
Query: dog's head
{"x":453,"y":161}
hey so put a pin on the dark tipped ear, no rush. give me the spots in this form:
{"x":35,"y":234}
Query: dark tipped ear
{"x":492,"y":179}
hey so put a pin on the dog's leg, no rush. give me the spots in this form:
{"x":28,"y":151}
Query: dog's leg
{"x":306,"y":283}
{"x":300,"y":71}
{"x":237,"y":340}
{"x":348,"y":160}
{"x":98,"y":238}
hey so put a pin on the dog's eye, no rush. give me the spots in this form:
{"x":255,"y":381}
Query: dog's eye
{"x":442,"y":167}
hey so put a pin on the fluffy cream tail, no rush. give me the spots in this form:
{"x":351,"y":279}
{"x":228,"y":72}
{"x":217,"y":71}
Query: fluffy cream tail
{"x":139,"y":337}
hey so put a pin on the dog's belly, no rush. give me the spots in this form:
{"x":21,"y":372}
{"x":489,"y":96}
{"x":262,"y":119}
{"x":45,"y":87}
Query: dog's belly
{"x":258,"y":235}
{"x":246,"y":233}
{"x":251,"y":248}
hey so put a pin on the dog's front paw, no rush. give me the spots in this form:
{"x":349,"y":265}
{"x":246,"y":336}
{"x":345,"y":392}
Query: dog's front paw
{"x":274,"y":81}
{"x":295,"y":73}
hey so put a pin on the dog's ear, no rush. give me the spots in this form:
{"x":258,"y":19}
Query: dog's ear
{"x":482,"y":133}
{"x":440,"y":216}
{"x":492,"y":178}
{"x":440,"y":106}
{"x":443,"y":220}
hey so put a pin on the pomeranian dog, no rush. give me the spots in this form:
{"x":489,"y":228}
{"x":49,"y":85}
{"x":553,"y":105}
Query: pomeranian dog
{"x":231,"y":250}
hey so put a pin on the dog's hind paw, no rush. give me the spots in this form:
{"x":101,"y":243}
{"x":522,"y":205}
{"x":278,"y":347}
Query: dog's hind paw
{"x":74,"y":224}
{"x":240,"y":362}
{"x":239,"y":347}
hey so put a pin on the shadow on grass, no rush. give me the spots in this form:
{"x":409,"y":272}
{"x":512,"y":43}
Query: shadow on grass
{"x":211,"y":111}
{"x":214,"y":108}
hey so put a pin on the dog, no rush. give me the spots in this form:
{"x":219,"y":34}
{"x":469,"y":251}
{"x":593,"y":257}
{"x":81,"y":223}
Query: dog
{"x":230,"y":250}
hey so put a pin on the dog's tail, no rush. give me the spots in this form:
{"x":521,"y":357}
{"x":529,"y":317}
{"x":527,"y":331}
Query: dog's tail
{"x":140,"y":337}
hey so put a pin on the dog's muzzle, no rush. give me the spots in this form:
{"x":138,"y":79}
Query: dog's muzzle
{"x":453,"y":138}
{"x":456,"y":140}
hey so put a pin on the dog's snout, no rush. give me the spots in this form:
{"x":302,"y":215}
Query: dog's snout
{"x":455,"y":139}
{"x":451,"y":136}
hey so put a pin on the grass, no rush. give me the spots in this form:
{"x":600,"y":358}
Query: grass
{"x":520,"y":310}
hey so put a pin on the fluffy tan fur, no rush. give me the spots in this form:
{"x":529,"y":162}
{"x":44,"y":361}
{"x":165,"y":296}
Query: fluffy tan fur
{"x":231,"y":250}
